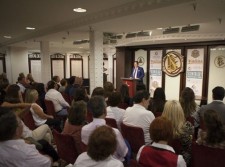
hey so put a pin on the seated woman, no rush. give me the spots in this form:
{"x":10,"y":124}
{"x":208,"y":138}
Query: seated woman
{"x":214,"y":136}
{"x":160,"y":153}
{"x":101,"y":145}
{"x":40,"y":118}
{"x":112,"y":110}
{"x":75,"y":121}
{"x":156,"y":104}
{"x":182,"y":129}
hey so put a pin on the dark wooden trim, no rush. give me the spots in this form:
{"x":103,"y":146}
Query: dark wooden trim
{"x":2,"y":58}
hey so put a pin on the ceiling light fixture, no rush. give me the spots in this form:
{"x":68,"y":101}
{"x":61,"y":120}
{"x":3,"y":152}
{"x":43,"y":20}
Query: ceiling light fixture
{"x":131,"y":35}
{"x":7,"y":36}
{"x":143,"y":34}
{"x":171,"y":30}
{"x":30,"y":28}
{"x":190,"y":28}
{"x":79,"y":10}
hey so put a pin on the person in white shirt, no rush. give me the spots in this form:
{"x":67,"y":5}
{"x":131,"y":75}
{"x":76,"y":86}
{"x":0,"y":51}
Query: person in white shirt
{"x":56,"y":97}
{"x":97,"y":106}
{"x":101,"y":145}
{"x":112,"y":110}
{"x":138,"y":115}
{"x":13,"y":150}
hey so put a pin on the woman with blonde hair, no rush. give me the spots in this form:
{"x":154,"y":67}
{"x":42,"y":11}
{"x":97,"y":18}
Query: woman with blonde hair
{"x":182,"y":129}
{"x":38,"y":114}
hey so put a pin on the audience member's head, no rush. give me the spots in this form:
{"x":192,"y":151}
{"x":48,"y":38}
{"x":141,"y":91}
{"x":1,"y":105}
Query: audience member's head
{"x":77,"y":113}
{"x":31,"y":96}
{"x":99,"y":91}
{"x":114,"y":99}
{"x":13,"y":94}
{"x":108,"y":86}
{"x":124,"y":90}
{"x":56,"y":79}
{"x":71,"y":80}
{"x":187,"y":101}
{"x":51,"y":85}
{"x":9,"y":124}
{"x":40,"y":87}
{"x":142,"y":97}
{"x":214,"y":127}
{"x":80,"y":94}
{"x":97,"y":106}
{"x":218,"y":93}
{"x":21,"y":79}
{"x":102,"y":143}
{"x":159,"y":94}
{"x":63,"y":82}
{"x":30,"y":78}
{"x":161,"y":130}
{"x":174,"y":112}
{"x":4,"y":84}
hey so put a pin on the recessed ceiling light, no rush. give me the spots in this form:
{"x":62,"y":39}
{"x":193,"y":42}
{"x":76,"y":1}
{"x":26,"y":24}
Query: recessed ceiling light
{"x":6,"y":36}
{"x":30,"y":28}
{"x":79,"y":10}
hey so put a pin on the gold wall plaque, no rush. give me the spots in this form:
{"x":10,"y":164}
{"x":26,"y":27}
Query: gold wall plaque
{"x":219,"y":61}
{"x":173,"y":63}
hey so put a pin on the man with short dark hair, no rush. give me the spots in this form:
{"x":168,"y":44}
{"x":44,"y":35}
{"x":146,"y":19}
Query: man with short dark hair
{"x":137,"y":72}
{"x":217,"y":104}
{"x":138,"y":115}
{"x":13,"y":150}
{"x":97,"y":106}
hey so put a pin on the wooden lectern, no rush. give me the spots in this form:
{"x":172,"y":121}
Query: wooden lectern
{"x":131,"y":83}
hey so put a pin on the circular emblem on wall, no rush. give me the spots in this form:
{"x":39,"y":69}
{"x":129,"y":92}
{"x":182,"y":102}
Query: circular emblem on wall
{"x":141,"y":61}
{"x":195,"y":53}
{"x":219,"y":61}
{"x":173,"y":63}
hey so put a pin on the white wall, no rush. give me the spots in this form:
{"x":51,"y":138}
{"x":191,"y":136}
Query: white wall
{"x":18,"y":61}
{"x":216,"y":74}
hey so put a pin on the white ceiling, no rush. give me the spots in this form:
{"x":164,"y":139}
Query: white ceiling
{"x":56,"y":22}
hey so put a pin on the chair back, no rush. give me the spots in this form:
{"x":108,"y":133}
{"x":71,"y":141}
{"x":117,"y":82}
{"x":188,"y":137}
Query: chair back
{"x":28,"y":120}
{"x":134,"y":135}
{"x":66,"y":97}
{"x":111,"y":122}
{"x":65,"y":147}
{"x":50,"y":109}
{"x":157,"y":114}
{"x":207,"y":156}
{"x":175,"y":143}
{"x":123,"y":105}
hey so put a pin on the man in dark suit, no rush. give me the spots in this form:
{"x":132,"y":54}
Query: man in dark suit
{"x":217,"y":104}
{"x":137,"y":72}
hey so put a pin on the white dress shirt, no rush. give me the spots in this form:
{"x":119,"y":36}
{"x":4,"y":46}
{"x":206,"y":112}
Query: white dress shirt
{"x":57,"y":99}
{"x":86,"y":131}
{"x":84,"y":160}
{"x":17,"y":153}
{"x":140,"y":117}
{"x":115,"y":113}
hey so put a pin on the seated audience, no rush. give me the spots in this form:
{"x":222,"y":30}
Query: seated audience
{"x":98,"y":91}
{"x":160,"y":153}
{"x":97,"y":106}
{"x":187,"y":101}
{"x":40,"y":87}
{"x":124,"y":90}
{"x":75,"y":121}
{"x":113,"y":111}
{"x":22,"y":82}
{"x":108,"y":88}
{"x":217,"y":104}
{"x":56,"y":97}
{"x":63,"y":86}
{"x":13,"y":150}
{"x":182,"y":129}
{"x":56,"y":79}
{"x":138,"y":115}
{"x":40,"y":118}
{"x":214,"y":134}
{"x":101,"y":146}
{"x":156,"y":104}
{"x":30,"y":79}
{"x":81,"y":94}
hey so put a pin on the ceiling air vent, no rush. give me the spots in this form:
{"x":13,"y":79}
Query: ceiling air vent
{"x":143,"y":34}
{"x":190,"y":28}
{"x":171,"y":30}
{"x":78,"y":42}
{"x":131,"y":35}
